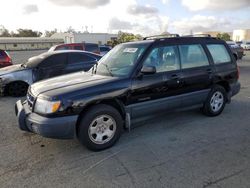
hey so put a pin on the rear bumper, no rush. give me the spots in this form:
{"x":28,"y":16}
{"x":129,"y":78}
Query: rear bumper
{"x":235,"y":88}
{"x":60,"y":127}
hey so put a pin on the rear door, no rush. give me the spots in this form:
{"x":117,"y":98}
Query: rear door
{"x":79,"y":62}
{"x":225,"y":65}
{"x":197,"y":73}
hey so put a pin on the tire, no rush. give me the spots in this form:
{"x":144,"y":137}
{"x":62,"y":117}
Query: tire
{"x":100,"y":128}
{"x":17,"y":89}
{"x":215,"y":101}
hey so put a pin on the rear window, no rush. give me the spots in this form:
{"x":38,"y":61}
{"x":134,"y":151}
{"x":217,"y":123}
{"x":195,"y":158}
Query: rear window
{"x":92,"y":47}
{"x":193,"y":56}
{"x":2,"y":53}
{"x":63,"y":48}
{"x":219,"y":53}
{"x":78,"y":47}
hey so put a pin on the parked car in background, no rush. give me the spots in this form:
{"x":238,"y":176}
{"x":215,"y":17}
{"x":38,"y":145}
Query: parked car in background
{"x":5,"y":59}
{"x":133,"y":82}
{"x":237,"y":50}
{"x":90,"y":47}
{"x":15,"y":79}
{"x":246,"y":45}
{"x":104,"y":50}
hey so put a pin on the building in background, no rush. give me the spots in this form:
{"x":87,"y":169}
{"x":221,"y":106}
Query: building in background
{"x":98,"y":38}
{"x":28,"y":43}
{"x":241,"y":35}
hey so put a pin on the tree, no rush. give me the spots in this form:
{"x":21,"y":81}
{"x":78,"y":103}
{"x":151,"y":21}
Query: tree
{"x":124,"y":37}
{"x":27,"y":33}
{"x":50,"y":33}
{"x":4,"y":32}
{"x":224,"y":36}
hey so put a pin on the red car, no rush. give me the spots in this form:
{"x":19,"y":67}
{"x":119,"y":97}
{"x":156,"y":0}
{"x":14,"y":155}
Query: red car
{"x":5,"y":59}
{"x":90,"y":47}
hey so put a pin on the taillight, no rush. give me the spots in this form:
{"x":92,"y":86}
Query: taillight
{"x":8,"y":59}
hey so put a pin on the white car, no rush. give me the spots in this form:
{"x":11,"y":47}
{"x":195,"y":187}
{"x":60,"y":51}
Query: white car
{"x":246,"y":45}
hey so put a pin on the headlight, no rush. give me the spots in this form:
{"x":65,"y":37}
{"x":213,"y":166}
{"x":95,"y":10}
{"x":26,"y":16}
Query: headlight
{"x":46,"y":107}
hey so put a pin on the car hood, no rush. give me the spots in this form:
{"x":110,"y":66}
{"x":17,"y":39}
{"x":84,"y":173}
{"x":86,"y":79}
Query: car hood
{"x":10,"y":69}
{"x":68,"y":82}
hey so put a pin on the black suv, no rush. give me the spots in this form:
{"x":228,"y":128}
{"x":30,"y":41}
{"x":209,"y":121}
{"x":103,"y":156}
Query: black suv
{"x":134,"y":81}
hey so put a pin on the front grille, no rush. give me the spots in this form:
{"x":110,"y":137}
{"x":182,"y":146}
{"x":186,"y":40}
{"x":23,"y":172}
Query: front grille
{"x":30,"y":99}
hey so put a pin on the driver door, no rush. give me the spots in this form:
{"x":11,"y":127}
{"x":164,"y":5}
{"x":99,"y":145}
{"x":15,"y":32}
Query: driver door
{"x":155,"y":93}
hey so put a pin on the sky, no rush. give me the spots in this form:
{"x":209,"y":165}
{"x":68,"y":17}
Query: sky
{"x":145,"y":17}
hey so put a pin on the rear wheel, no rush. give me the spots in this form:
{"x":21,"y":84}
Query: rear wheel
{"x":215,"y":102}
{"x":17,"y":89}
{"x":100,"y":127}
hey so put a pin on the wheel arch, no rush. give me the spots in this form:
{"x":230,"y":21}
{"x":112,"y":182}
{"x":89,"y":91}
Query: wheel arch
{"x":115,"y":103}
{"x":6,"y":87}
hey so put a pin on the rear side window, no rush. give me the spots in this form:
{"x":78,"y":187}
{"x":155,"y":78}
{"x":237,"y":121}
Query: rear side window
{"x":193,"y":56}
{"x":219,"y":53}
{"x":104,"y":49}
{"x":79,"y":58}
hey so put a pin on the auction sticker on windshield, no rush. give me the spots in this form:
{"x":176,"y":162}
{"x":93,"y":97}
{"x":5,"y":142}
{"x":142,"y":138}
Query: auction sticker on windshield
{"x":130,"y":50}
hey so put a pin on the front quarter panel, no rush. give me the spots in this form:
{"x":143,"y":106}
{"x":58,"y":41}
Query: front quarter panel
{"x":24,"y":75}
{"x":76,"y":101}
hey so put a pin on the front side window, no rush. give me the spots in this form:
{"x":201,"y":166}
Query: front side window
{"x":164,"y":59}
{"x":219,"y":53}
{"x":54,"y":61}
{"x":121,"y":60}
{"x":193,"y":56}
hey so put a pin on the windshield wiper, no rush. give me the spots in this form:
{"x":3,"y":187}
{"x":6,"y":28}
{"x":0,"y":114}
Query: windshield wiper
{"x":108,"y":69}
{"x":94,"y":68}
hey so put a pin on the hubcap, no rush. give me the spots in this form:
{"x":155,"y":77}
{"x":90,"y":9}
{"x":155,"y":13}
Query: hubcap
{"x":102,"y":129}
{"x":217,"y":101}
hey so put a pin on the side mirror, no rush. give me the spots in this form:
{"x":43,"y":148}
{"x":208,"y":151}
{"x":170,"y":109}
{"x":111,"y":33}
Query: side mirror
{"x":148,"y":70}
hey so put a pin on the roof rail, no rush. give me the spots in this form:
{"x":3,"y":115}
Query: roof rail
{"x":197,"y":35}
{"x":161,"y":36}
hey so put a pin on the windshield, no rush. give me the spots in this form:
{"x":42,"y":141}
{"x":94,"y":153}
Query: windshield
{"x":120,"y":61}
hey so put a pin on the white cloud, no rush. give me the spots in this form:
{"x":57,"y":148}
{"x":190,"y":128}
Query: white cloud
{"x":164,"y":2}
{"x":84,"y":3}
{"x":141,"y":10}
{"x":200,"y":23}
{"x":222,"y":5}
{"x":116,"y":24}
{"x":29,"y":9}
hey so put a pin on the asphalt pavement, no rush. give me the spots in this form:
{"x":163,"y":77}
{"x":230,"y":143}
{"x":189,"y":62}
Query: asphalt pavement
{"x":180,"y":150}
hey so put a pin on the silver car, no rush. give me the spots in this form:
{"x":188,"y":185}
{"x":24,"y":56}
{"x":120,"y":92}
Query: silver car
{"x":15,"y":79}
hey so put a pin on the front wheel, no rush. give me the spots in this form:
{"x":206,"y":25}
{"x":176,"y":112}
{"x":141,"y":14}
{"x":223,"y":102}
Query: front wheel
{"x":215,"y":102}
{"x":100,"y":128}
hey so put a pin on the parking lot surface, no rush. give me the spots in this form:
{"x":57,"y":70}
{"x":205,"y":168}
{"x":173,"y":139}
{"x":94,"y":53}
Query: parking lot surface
{"x":180,"y":149}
